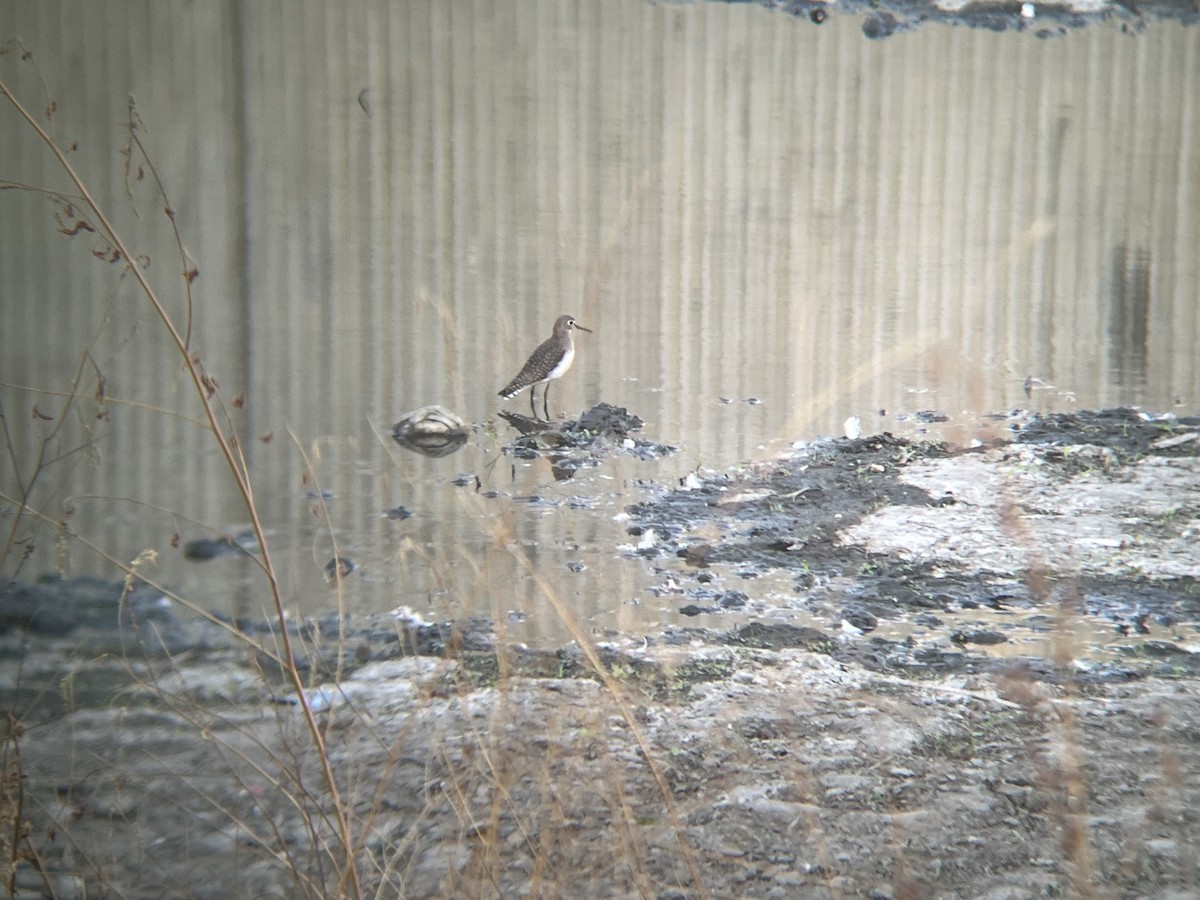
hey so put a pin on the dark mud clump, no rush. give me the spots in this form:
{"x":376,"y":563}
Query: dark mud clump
{"x":789,"y":514}
{"x":600,"y":432}
{"x":1127,"y":435}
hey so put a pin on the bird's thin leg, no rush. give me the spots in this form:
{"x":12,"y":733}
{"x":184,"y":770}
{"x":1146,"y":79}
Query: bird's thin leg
{"x":546,"y":401}
{"x":532,"y":393}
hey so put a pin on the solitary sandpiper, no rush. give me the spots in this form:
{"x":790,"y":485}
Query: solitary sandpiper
{"x":549,"y":361}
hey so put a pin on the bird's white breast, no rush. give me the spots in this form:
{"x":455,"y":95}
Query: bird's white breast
{"x":563,"y":365}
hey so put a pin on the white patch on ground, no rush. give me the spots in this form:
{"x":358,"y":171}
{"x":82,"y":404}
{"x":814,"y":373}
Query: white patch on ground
{"x":1088,"y":7}
{"x":1012,"y":511}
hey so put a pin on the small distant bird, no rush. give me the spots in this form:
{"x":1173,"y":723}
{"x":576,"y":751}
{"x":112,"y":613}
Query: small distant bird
{"x":549,"y":361}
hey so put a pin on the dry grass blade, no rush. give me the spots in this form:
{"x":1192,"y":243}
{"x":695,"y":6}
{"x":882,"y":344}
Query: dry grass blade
{"x":204,"y":388}
{"x":503,"y":537}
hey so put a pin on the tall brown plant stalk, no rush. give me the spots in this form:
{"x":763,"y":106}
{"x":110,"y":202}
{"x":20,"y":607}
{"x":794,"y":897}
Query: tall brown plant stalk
{"x":227,"y":442}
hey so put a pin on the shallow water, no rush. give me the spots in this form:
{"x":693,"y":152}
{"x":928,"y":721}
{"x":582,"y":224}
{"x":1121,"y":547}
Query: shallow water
{"x":770,"y":227}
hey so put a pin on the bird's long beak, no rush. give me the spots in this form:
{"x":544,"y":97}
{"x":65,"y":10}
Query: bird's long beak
{"x":581,"y":328}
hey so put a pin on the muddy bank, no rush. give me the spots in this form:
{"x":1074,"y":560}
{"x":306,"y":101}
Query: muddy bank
{"x":1080,"y":529}
{"x":878,"y":550}
{"x":915,"y":670}
{"x":1075,"y":538}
